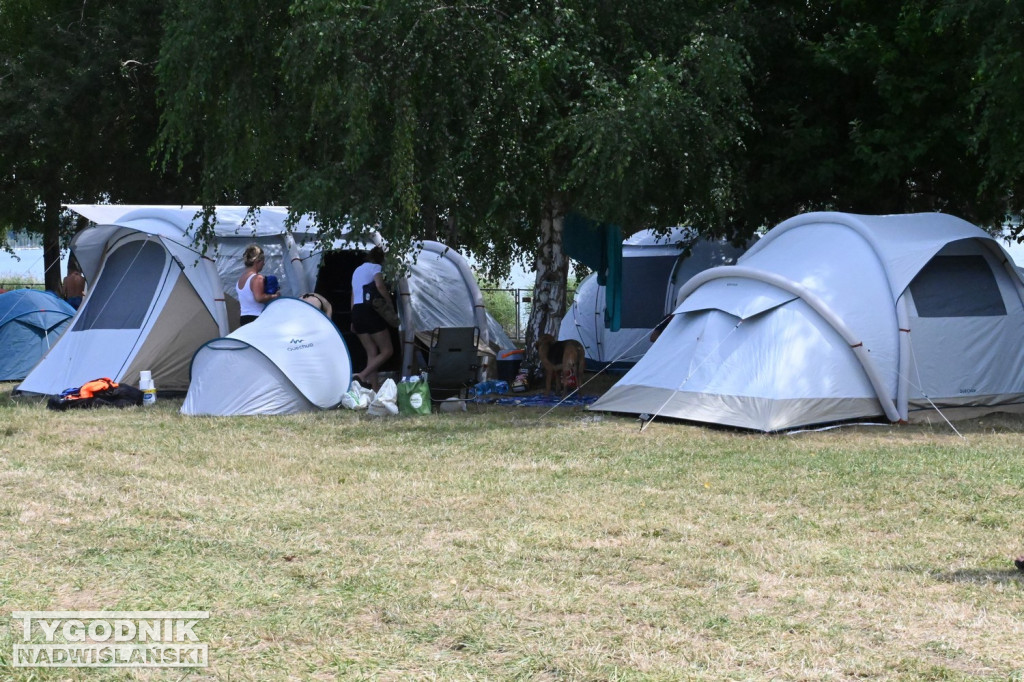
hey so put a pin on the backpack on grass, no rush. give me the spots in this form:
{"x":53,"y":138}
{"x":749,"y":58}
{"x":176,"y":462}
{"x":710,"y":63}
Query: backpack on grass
{"x":96,"y":393}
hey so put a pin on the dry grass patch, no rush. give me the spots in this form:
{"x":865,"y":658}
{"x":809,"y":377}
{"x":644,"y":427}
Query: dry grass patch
{"x":496,"y":545}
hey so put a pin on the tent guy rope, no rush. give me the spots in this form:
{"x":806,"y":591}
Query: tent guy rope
{"x":690,"y":375}
{"x":596,"y":374}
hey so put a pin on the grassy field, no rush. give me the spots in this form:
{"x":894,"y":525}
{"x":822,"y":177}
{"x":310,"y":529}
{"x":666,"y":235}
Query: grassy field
{"x":496,"y":544}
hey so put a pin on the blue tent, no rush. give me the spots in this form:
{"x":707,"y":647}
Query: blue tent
{"x":30,"y":322}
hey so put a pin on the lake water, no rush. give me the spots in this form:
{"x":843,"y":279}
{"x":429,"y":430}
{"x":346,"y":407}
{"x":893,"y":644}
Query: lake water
{"x":29,"y":265}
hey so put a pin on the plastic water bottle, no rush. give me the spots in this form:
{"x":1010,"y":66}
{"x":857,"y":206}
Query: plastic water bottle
{"x":491,"y":386}
{"x":147,"y":388}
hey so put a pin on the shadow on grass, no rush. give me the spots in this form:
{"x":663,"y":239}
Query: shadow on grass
{"x":979,"y":576}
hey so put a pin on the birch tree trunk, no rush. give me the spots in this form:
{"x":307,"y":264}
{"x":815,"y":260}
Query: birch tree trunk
{"x":549,"y":287}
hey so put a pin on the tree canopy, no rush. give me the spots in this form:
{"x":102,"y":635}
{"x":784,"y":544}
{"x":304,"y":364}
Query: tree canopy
{"x":995,"y":97}
{"x":480,"y":123}
{"x":78,"y":117}
{"x":461,"y":119}
{"x":879,"y":107}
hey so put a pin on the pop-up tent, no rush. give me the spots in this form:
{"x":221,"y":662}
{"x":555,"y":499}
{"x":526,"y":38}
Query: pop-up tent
{"x":290,"y":359}
{"x":31,"y":321}
{"x":832,"y":317}
{"x":653,"y":270}
{"x":155,"y":296}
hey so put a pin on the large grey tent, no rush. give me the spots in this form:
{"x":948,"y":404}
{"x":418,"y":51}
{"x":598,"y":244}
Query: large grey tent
{"x":835,"y":316}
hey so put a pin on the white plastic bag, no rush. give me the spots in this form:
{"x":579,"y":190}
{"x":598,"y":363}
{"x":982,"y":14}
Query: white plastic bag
{"x":386,"y":401}
{"x":452,"y":405}
{"x":358,"y":397}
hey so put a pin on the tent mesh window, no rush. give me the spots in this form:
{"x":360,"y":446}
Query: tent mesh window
{"x":957,"y":286}
{"x":644,"y":279}
{"x":124,"y":291}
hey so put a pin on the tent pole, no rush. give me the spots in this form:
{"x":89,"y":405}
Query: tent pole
{"x":408,"y":334}
{"x":903,"y":379}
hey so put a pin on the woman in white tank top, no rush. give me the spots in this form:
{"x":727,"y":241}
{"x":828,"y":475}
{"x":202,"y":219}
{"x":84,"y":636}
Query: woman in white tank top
{"x":252,"y":297}
{"x":371,"y":329}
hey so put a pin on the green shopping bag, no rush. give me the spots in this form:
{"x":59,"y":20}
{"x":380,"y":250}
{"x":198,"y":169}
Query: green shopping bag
{"x":414,"y":397}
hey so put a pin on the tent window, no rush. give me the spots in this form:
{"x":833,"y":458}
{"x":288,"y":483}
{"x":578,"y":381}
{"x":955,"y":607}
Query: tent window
{"x":957,"y":286}
{"x":123,"y":293}
{"x":644,"y":283}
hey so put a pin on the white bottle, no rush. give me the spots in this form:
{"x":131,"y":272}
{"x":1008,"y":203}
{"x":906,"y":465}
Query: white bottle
{"x":147,"y":388}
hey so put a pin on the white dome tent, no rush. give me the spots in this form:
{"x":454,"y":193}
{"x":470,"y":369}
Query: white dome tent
{"x":834,"y":316}
{"x":438,"y":289}
{"x":290,"y":359}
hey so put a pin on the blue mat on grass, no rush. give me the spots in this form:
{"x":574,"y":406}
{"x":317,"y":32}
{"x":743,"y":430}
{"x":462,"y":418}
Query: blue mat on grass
{"x":540,"y":400}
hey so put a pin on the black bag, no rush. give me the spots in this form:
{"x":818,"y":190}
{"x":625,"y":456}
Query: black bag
{"x":386,"y":311}
{"x":112,"y":395}
{"x":124,"y":395}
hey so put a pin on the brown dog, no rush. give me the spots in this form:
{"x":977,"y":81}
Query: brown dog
{"x":563,"y":362}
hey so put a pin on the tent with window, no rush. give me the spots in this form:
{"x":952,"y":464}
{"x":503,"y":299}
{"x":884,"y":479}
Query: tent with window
{"x":290,"y":359}
{"x":152,"y":301}
{"x":156,"y":294}
{"x":31,"y":321}
{"x":653,"y":270}
{"x":834,"y":316}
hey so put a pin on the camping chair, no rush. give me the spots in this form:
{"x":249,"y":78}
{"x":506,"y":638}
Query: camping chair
{"x":453,"y":364}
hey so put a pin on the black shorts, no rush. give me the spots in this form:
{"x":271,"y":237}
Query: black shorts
{"x":365,"y":320}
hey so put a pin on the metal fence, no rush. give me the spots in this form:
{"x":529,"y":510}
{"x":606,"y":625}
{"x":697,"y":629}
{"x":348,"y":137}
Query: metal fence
{"x":522,"y":300}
